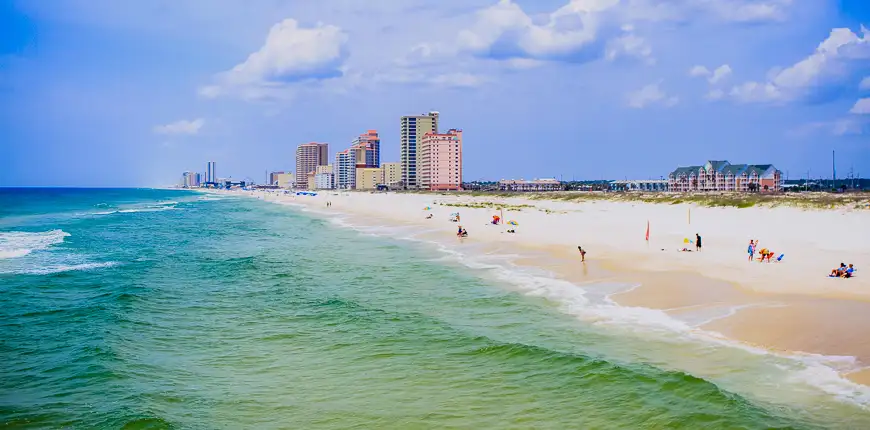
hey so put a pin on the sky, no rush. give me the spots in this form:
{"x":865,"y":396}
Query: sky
{"x":124,"y":93}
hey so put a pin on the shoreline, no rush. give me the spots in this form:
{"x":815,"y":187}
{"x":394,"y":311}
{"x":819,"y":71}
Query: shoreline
{"x":807,"y":319}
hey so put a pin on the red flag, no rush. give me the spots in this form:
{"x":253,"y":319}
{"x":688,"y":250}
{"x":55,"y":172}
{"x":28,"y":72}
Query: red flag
{"x":647,"y":230}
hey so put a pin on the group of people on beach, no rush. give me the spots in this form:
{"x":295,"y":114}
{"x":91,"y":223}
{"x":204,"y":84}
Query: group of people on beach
{"x":843,"y":271}
{"x":765,"y":253}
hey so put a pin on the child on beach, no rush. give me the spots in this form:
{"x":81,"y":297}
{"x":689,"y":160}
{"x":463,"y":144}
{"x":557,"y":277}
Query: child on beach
{"x":751,"y":249}
{"x":582,"y":254}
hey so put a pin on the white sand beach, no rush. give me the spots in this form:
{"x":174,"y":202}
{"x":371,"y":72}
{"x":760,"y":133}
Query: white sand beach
{"x":789,"y":306}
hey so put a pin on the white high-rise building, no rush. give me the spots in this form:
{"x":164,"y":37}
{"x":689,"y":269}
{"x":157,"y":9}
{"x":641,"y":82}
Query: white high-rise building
{"x":345,"y":169}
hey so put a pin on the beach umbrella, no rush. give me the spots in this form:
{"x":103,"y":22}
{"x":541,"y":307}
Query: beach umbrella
{"x":512,"y":222}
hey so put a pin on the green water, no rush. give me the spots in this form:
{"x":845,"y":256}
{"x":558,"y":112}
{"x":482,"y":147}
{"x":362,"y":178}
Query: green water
{"x":235,"y":313}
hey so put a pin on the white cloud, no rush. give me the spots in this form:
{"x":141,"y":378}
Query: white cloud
{"x":715,"y":94}
{"x":650,"y":95}
{"x":505,"y":31}
{"x":834,"y":63}
{"x":290,"y":54}
{"x":629,"y":45}
{"x":865,"y":84}
{"x":180,"y":127}
{"x":861,"y":107}
{"x":739,"y":11}
{"x":721,"y":72}
{"x":444,"y":80}
{"x":698,"y":71}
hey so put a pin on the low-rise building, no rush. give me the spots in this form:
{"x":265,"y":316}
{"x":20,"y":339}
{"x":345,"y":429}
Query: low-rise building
{"x":368,"y":178}
{"x":724,"y":176}
{"x":533,"y":185}
{"x":654,"y":185}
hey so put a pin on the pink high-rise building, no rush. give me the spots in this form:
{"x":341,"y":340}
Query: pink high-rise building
{"x":441,"y":161}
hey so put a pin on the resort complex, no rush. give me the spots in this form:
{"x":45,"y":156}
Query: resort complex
{"x":724,"y":176}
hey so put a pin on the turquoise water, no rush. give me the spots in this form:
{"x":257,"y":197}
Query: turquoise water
{"x":171,"y":309}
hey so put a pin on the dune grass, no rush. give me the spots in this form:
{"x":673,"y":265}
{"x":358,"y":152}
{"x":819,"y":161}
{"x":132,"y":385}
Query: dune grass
{"x":809,"y":200}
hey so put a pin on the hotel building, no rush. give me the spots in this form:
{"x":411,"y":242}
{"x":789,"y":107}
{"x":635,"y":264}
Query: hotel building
{"x":440,"y":167}
{"x":392,"y":174}
{"x":308,"y":157}
{"x":724,"y":176}
{"x":413,"y":129}
{"x":345,"y":169}
{"x":369,"y":145}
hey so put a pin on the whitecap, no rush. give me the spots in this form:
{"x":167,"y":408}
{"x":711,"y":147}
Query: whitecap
{"x":15,"y":244}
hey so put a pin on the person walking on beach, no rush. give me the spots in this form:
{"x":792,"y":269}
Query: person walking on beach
{"x":751,"y":249}
{"x":582,"y":254}
{"x":697,"y":242}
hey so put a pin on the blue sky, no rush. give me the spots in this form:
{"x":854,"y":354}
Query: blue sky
{"x":122,"y":93}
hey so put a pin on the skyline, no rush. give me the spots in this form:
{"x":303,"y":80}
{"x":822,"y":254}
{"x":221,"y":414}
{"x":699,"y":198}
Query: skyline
{"x":588,"y":89}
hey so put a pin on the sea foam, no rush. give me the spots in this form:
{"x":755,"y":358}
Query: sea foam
{"x":15,"y":244}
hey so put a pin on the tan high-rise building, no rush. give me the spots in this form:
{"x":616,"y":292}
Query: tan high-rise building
{"x":441,"y":161}
{"x":308,"y":157}
{"x":413,"y":129}
{"x":368,"y":178}
{"x":392,"y":173}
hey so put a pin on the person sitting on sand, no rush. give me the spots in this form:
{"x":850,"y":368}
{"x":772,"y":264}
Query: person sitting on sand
{"x":838,"y":271}
{"x":464,"y":233}
{"x":582,"y":254}
{"x":847,"y":273}
{"x":429,"y":217}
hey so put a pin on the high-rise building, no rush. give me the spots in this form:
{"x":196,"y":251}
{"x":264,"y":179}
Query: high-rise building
{"x":198,"y":179}
{"x":345,"y":169}
{"x":308,"y":157}
{"x":211,"y":172}
{"x":188,"y":180}
{"x":368,"y":178}
{"x":371,"y":144}
{"x":441,"y":161}
{"x":392,"y":174}
{"x":413,"y":129}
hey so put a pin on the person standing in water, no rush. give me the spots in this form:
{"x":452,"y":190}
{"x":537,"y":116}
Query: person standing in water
{"x":697,"y":242}
{"x":582,"y":254}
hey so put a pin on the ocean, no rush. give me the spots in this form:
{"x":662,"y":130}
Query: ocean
{"x":152,"y":309}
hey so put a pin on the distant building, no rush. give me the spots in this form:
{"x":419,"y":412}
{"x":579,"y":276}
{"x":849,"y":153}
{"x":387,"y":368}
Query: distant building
{"x":324,"y":178}
{"x":413,"y":129}
{"x":654,"y":185}
{"x":211,"y":172}
{"x":282,"y":179}
{"x":188,"y":180}
{"x":724,"y":176}
{"x":198,"y":177}
{"x":392,"y":174}
{"x":310,"y":181}
{"x":368,"y":178}
{"x":440,"y":161}
{"x":345,"y":169}
{"x":533,"y":185}
{"x":273,"y":177}
{"x":308,"y":157}
{"x":370,"y":144}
